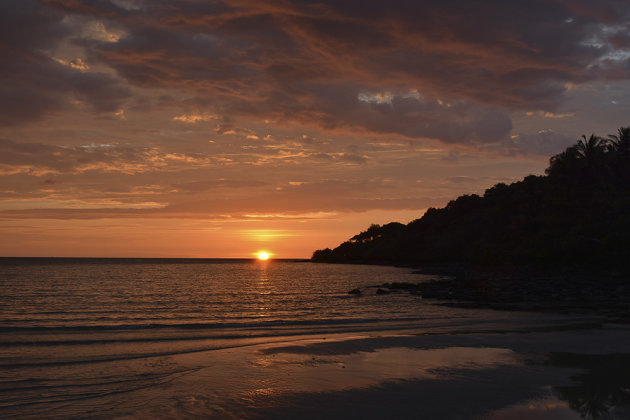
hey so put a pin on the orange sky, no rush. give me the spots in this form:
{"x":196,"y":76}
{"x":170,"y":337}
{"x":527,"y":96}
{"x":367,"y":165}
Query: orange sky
{"x":132,"y":128}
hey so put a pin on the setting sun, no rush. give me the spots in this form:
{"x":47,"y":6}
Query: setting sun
{"x":263,"y":255}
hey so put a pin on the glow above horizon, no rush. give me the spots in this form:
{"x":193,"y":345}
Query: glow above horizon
{"x":128,"y":134}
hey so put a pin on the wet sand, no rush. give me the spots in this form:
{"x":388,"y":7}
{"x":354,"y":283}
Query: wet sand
{"x":521,"y":373}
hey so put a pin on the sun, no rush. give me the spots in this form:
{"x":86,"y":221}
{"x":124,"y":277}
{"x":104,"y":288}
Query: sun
{"x":262,"y":255}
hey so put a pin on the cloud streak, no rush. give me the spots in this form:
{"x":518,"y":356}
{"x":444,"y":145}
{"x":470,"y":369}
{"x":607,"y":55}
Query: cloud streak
{"x":41,"y":159}
{"x":310,"y":63}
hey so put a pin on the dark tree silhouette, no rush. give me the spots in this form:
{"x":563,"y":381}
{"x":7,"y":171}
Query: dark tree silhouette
{"x":591,"y":149}
{"x":601,"y":387}
{"x":578,"y":213}
{"x":563,"y":163}
{"x":620,"y":142}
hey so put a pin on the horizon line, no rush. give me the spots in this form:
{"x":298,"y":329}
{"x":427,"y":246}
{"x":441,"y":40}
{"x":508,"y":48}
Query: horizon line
{"x":155,"y":258}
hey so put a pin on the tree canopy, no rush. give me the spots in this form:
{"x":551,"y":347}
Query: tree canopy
{"x":579,"y":212}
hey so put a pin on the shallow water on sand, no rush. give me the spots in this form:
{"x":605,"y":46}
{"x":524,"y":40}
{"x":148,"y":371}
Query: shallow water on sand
{"x":244,"y":339}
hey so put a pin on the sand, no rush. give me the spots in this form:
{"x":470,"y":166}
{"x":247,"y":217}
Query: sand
{"x":571,"y":370}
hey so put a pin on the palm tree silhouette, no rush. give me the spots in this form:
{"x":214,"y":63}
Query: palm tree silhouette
{"x":590,"y":149}
{"x":620,"y":142}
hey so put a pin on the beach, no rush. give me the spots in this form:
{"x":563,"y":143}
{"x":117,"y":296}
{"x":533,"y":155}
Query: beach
{"x":451,"y":375}
{"x":409,"y":359}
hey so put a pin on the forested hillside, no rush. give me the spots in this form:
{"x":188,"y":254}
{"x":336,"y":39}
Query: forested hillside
{"x":579,"y":212}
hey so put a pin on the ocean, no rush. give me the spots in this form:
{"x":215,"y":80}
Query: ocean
{"x":111,"y":337}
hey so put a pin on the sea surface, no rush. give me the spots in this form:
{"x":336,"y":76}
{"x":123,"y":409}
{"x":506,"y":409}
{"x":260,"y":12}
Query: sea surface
{"x":78,"y":334}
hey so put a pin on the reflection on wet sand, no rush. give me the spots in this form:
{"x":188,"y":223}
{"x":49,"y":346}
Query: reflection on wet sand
{"x":601,"y":389}
{"x":319,"y":373}
{"x":336,"y":379}
{"x":500,"y":376}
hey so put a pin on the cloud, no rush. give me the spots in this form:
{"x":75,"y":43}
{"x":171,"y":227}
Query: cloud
{"x":551,"y":115}
{"x":202,"y":186}
{"x":545,"y":142}
{"x":35,"y":83}
{"x":314,"y":63}
{"x":41,"y":159}
{"x":341,"y":157}
{"x":195,"y":117}
{"x":231,"y":199}
{"x":460,"y":179}
{"x":211,"y":209}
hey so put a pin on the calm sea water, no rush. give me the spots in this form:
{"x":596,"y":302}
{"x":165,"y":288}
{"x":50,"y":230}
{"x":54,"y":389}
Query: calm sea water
{"x":74,"y":329}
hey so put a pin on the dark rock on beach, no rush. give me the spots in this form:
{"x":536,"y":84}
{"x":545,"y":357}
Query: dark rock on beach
{"x":568,"y":291}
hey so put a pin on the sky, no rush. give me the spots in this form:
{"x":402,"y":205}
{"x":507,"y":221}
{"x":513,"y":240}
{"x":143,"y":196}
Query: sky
{"x":192,"y":128}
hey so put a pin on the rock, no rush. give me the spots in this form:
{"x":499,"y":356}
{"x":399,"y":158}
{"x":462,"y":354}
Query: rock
{"x":380,"y":291}
{"x":354,"y":292}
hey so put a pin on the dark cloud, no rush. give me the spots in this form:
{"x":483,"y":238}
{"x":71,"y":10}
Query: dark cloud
{"x":471,"y":63}
{"x":34,"y":83}
{"x":340,"y":157}
{"x":26,"y":26}
{"x":620,"y":38}
{"x":545,"y":143}
{"x":35,"y":86}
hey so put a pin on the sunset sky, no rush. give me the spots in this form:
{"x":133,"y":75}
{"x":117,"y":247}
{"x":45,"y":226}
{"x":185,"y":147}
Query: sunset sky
{"x":220,"y":128}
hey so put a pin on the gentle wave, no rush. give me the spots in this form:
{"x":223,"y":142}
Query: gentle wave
{"x":201,"y":325}
{"x":109,"y":358}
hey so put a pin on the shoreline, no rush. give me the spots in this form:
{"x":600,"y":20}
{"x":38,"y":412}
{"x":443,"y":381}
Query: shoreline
{"x":529,"y":374}
{"x":558,"y":290}
{"x":584,"y":290}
